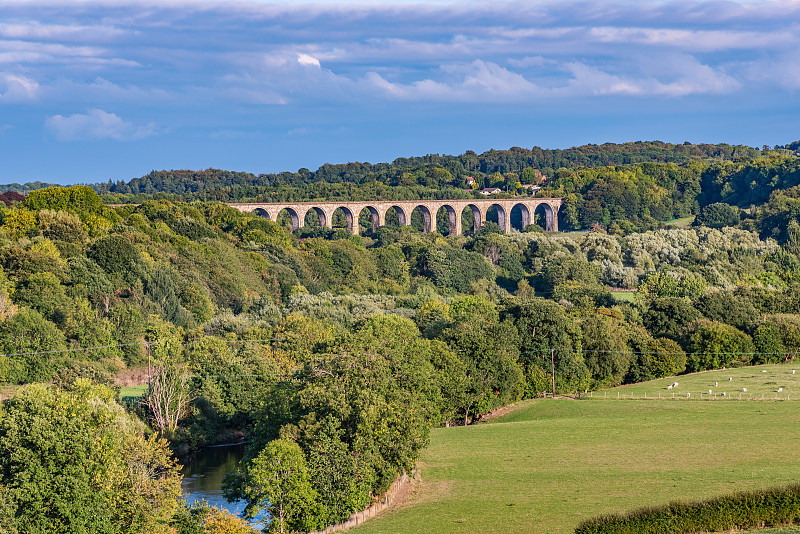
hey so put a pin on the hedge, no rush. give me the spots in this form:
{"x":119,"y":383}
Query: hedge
{"x":737,"y":511}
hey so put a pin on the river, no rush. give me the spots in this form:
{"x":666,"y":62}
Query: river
{"x":202,"y":477}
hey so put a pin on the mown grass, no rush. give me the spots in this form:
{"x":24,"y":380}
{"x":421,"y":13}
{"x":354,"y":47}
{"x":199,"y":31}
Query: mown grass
{"x":623,"y":296}
{"x":684,"y":222}
{"x":553,"y":463}
{"x":133,"y":392}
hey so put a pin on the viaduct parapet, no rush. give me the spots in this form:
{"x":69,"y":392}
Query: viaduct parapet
{"x":377,"y":210}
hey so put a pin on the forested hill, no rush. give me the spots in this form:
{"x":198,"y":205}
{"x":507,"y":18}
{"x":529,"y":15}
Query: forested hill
{"x":432,"y":170}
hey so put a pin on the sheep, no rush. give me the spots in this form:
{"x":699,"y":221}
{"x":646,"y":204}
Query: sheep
{"x":688,"y":394}
{"x":744,"y":390}
{"x":730,"y":379}
{"x":780,"y":389}
{"x":764,"y":371}
{"x":674,"y":384}
{"x":792,"y":371}
{"x":723,"y":393}
{"x":716,"y":384}
{"x":709,"y":392}
{"x":669,"y":386}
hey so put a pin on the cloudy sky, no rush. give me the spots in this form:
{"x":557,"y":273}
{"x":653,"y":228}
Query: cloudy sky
{"x":98,"y":90}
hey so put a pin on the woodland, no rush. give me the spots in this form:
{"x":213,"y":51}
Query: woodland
{"x":334,"y":355}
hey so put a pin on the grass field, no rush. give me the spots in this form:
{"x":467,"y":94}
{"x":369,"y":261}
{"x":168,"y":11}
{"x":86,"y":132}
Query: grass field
{"x":761,"y":381}
{"x":552,"y":463}
{"x":684,"y":222}
{"x":623,"y":296}
{"x":133,"y":392}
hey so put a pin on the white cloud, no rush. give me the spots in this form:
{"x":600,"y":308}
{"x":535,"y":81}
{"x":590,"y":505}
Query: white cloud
{"x":695,"y":40}
{"x":473,"y":81}
{"x":529,"y":61}
{"x":673,"y":76}
{"x":35,"y":30}
{"x":591,"y":80}
{"x":17,"y":88}
{"x":307,"y":60}
{"x":97,"y":124}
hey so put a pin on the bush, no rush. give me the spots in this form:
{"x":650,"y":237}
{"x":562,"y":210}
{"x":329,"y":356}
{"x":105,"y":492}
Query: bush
{"x":730,"y":512}
{"x":115,"y":254}
{"x":717,"y":215}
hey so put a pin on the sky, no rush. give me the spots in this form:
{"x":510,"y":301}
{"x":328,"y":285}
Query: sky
{"x":92,"y":91}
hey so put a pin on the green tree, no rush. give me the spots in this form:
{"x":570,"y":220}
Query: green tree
{"x":116,"y":255}
{"x":667,"y":317}
{"x":61,"y":226}
{"x":44,"y":293}
{"x":27,"y":341}
{"x":716,"y":345}
{"x":717,"y":215}
{"x":277,"y":481}
{"x":544,"y":326}
{"x":72,"y":462}
{"x":489,"y":349}
{"x":605,"y":346}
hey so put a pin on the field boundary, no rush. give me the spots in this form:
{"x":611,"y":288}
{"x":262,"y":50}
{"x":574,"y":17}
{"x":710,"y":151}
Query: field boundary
{"x":687,"y":396}
{"x":383,"y":502}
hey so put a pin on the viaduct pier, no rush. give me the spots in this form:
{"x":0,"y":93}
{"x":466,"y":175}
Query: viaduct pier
{"x":377,"y":211}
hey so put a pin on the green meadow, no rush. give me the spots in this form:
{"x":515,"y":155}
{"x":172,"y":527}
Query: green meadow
{"x":133,"y":392}
{"x":552,"y":463}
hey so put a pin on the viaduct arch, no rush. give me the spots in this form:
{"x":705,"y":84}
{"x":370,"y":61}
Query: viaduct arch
{"x":429,"y":208}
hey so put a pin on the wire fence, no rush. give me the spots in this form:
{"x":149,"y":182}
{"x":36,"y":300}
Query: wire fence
{"x":689,"y":396}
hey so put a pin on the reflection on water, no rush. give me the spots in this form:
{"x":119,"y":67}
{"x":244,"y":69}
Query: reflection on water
{"x":202,"y":477}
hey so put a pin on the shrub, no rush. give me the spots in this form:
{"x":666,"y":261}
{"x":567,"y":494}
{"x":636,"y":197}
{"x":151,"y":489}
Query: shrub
{"x":730,"y":512}
{"x":115,"y":254}
{"x":717,"y":215}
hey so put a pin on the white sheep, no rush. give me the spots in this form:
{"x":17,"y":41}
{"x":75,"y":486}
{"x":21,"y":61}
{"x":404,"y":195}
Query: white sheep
{"x":709,"y":392}
{"x":730,"y":378}
{"x":780,"y":389}
{"x":764,"y":371}
{"x":723,"y":393}
{"x":688,"y":394}
{"x":674,"y":384}
{"x":792,"y":371}
{"x":744,"y":390}
{"x":716,"y":384}
{"x":669,"y":386}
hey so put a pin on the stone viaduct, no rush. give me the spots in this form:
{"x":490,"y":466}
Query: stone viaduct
{"x":297,"y":211}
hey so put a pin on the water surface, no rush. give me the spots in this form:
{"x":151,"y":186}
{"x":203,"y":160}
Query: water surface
{"x":202,"y":477}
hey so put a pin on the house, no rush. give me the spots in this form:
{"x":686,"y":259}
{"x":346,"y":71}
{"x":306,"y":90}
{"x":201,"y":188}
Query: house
{"x":531,"y":187}
{"x":490,"y":191}
{"x":470,"y":181}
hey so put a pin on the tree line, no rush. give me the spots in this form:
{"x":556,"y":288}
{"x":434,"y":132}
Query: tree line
{"x":335,"y":354}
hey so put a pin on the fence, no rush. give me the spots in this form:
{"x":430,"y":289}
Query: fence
{"x":688,"y":395}
{"x":377,"y":507}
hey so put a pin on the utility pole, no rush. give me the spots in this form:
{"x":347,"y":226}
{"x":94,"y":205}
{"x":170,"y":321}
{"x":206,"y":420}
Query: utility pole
{"x":553,"y":363}
{"x":149,"y":369}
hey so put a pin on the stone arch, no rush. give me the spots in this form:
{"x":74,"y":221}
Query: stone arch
{"x":547,"y":215}
{"x":261,"y":212}
{"x":477,"y":218}
{"x":294,"y":217}
{"x":372,"y":218}
{"x":519,"y":213}
{"x":427,"y":219}
{"x":453,"y":221}
{"x":321,"y":216}
{"x":403,"y":218}
{"x":502,"y":216}
{"x":348,"y":219}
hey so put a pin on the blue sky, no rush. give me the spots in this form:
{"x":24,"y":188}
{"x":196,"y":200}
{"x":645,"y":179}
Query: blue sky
{"x":98,"y":90}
